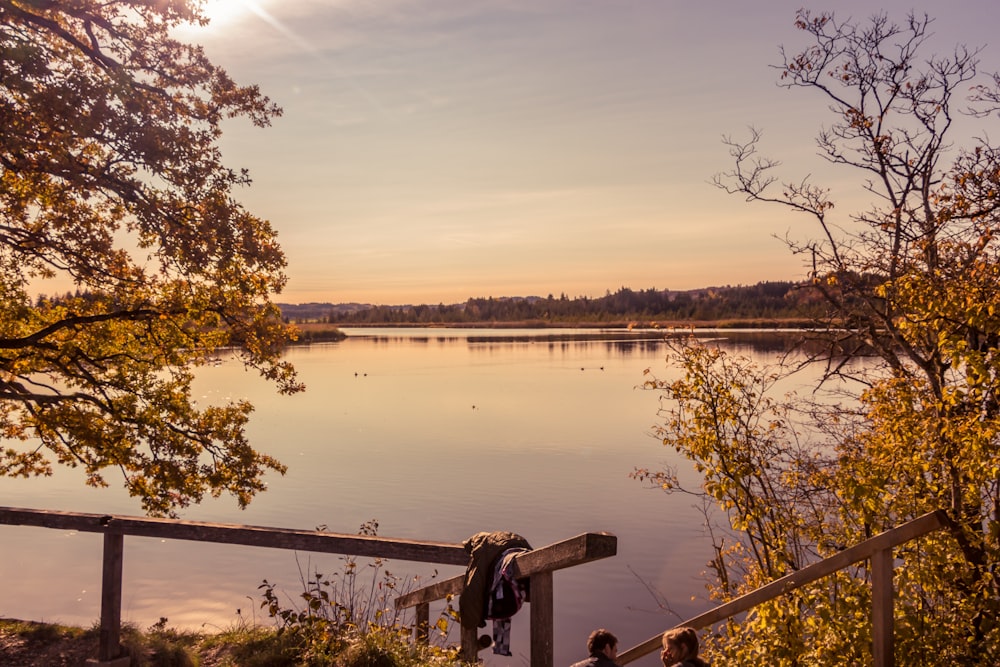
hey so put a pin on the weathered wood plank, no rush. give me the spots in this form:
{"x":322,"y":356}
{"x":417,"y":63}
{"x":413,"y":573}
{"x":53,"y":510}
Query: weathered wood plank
{"x":542,"y":620}
{"x":882,"y":609}
{"x":573,"y":551}
{"x":257,"y":536}
{"x":883,"y":541}
{"x":423,"y":623}
{"x":436,"y":591}
{"x":109,"y":642}
{"x":470,"y":644}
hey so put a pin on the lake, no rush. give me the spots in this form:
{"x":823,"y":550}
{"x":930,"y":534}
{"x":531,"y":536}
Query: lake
{"x":437,"y":434}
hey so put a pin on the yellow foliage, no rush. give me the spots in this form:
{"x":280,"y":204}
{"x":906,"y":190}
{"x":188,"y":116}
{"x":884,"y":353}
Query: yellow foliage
{"x":111,"y":177}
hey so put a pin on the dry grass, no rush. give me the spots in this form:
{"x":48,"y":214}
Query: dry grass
{"x":32,"y":644}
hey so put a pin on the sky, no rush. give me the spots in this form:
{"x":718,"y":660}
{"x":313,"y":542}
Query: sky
{"x":436,"y":150}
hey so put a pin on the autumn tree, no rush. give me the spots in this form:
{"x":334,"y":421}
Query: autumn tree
{"x":111,"y":181}
{"x":911,"y":284}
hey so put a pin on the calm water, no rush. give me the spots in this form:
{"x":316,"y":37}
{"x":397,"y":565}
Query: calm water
{"x":436,"y":434}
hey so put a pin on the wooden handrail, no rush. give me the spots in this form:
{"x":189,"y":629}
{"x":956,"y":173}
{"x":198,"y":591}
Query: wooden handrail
{"x":115,"y":528}
{"x":871,"y":547}
{"x":256,"y":536}
{"x":574,"y":551}
{"x":537,"y":566}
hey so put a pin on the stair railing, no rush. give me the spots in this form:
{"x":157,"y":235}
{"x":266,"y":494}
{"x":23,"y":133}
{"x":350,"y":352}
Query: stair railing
{"x":878,"y":549}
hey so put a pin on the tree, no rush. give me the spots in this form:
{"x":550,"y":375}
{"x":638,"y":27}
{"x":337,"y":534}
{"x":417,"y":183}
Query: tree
{"x":111,"y":178}
{"x":912,"y":284}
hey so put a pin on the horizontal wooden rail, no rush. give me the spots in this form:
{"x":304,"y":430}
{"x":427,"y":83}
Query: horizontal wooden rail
{"x":574,"y":551}
{"x":115,"y":528}
{"x":537,"y":566}
{"x":859,"y":552}
{"x":256,"y":536}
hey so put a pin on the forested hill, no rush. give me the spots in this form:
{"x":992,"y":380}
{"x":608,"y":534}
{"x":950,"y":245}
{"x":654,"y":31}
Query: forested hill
{"x":768,"y":302}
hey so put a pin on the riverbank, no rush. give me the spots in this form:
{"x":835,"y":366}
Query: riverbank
{"x":314,"y":332}
{"x":36,"y":644}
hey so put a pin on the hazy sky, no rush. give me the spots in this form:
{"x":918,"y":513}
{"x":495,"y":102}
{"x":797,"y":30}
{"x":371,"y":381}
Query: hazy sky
{"x":433,"y":150}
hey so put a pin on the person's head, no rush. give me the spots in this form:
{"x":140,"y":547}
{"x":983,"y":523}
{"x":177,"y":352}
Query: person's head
{"x":602,"y":642}
{"x":680,"y":644}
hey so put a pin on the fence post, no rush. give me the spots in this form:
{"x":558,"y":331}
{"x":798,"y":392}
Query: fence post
{"x":882,"y":608}
{"x":470,"y":644}
{"x":542,"y":650}
{"x":109,"y":647}
{"x":423,"y":619}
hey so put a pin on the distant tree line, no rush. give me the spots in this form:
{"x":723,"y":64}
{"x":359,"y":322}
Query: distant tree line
{"x":764,"y":302}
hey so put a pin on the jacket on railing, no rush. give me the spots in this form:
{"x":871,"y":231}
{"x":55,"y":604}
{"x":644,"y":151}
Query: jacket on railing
{"x":483,"y":549}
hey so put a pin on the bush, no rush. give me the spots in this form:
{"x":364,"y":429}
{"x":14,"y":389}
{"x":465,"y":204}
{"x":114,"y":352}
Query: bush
{"x":350,"y":620}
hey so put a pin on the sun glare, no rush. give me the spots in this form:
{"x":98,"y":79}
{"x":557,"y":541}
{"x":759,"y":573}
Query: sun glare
{"x":224,"y":12}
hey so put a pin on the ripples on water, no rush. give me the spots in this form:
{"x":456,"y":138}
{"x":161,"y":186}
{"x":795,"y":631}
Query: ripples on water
{"x":437,"y":434}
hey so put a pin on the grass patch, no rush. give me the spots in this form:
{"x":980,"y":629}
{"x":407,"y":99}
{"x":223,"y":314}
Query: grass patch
{"x":343,"y":619}
{"x":31,"y":644}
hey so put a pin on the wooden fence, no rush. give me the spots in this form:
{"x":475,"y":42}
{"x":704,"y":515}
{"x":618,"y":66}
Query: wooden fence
{"x":537,"y":564}
{"x":878,"y":549}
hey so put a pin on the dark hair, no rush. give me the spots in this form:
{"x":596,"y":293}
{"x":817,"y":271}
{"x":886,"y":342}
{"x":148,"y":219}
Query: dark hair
{"x":685,"y":639}
{"x":598,"y":639}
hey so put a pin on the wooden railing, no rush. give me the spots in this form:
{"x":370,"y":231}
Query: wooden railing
{"x":116,"y":527}
{"x":878,"y":549}
{"x":537,"y":566}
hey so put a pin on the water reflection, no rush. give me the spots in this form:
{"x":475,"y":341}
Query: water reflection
{"x":437,"y":434}
{"x":756,"y":340}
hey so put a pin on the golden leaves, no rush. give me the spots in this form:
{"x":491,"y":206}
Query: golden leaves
{"x":112,"y":178}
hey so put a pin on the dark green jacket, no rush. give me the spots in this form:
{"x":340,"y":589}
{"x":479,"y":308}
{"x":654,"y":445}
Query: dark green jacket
{"x":483,"y":550}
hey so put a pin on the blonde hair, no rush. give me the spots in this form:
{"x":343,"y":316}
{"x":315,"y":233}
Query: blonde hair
{"x":685,"y":640}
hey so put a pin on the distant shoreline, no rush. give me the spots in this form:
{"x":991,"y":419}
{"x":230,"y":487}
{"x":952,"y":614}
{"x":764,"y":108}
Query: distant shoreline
{"x":314,"y":332}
